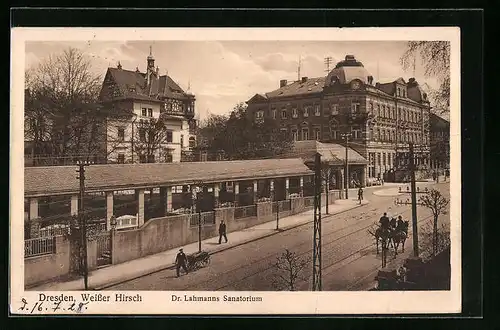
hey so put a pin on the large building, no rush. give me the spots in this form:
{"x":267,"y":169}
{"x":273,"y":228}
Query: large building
{"x":381,"y":118}
{"x":440,"y":142}
{"x":133,"y":98}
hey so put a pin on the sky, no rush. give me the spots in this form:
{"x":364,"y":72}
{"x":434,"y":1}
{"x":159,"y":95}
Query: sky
{"x":223,"y":73}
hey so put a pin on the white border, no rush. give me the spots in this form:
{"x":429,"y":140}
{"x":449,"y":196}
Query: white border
{"x":155,"y":302}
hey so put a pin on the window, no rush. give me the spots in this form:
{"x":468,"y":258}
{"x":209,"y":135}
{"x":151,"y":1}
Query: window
{"x":371,"y":108}
{"x":150,"y":112}
{"x":170,"y":136}
{"x":121,"y":158}
{"x":384,"y":159}
{"x":356,"y":133}
{"x":317,"y":111}
{"x":142,"y":135}
{"x":404,"y":93}
{"x":354,"y":107}
{"x":192,"y":142}
{"x":168,"y":155}
{"x":398,"y":92}
{"x":334,"y":109}
{"x":273,"y":112}
{"x":306,"y":111}
{"x":334,"y":134}
{"x":371,"y":134}
{"x":283,"y":114}
{"x":259,"y":114}
{"x":121,"y":134}
{"x":378,"y":110}
{"x":295,"y":135}
{"x":182,"y":140}
{"x":317,"y":133}
{"x":305,"y":134}
{"x":383,"y":135}
{"x":383,"y":111}
{"x":294,"y":113}
{"x":378,"y":133}
{"x":144,"y":112}
{"x":378,"y":158}
{"x":283,"y":132}
{"x":399,"y":113}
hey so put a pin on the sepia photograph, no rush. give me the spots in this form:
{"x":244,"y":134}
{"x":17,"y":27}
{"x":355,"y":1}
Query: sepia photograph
{"x":219,"y":170}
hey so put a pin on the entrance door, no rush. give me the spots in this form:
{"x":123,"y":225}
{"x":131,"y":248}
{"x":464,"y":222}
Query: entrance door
{"x":104,"y":250}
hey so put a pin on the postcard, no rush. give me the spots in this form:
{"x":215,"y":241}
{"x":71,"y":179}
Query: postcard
{"x":177,"y":171}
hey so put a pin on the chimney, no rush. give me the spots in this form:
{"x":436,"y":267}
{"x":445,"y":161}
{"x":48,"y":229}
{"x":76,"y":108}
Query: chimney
{"x":283,"y":82}
{"x":412,"y":82}
{"x":350,"y":58}
{"x":137,"y":69}
{"x":304,"y":79}
{"x":370,"y":80}
{"x":119,"y":66}
{"x":157,"y":70}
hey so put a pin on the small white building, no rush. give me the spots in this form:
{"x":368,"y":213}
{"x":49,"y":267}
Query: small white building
{"x":132,"y":99}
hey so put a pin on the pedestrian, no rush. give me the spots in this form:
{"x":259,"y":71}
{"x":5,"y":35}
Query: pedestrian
{"x":180,"y":261}
{"x":222,"y":231}
{"x":360,"y":194}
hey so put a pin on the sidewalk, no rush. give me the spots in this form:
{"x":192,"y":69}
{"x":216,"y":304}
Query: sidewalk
{"x":115,"y":274}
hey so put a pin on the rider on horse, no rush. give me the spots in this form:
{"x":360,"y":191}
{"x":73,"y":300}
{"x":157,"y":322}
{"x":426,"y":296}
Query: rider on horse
{"x":384,"y":222}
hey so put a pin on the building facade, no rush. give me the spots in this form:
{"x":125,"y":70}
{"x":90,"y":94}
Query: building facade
{"x":133,"y":99}
{"x":380,"y":119}
{"x":440,"y":142}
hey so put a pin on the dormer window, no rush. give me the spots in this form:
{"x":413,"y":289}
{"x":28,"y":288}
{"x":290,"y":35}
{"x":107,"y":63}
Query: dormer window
{"x":295,"y":113}
{"x":306,"y":111}
{"x":144,"y":112}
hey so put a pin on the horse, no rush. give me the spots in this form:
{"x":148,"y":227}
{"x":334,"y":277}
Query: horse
{"x":383,"y":235}
{"x":399,"y":236}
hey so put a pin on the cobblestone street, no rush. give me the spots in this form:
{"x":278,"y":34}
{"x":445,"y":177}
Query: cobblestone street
{"x":349,"y":262}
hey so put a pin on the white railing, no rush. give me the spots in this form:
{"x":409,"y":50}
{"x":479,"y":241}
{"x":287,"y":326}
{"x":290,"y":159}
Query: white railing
{"x":39,"y":246}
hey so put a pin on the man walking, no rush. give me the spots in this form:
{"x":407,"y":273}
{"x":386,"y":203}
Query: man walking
{"x":180,"y":261}
{"x":360,"y":194}
{"x":222,"y":231}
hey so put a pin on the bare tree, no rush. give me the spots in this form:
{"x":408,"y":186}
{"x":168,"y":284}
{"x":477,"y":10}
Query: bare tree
{"x":289,"y":268}
{"x":63,"y":120}
{"x":435,"y":56}
{"x":438,"y":205}
{"x":150,"y":136}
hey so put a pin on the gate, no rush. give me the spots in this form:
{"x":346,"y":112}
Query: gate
{"x":103,"y":242}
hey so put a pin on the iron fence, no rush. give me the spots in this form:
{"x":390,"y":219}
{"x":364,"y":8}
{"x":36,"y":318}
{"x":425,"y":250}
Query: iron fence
{"x":245,"y":211}
{"x":309,"y":201}
{"x":282,"y":206}
{"x":39,"y":246}
{"x":207,"y":218}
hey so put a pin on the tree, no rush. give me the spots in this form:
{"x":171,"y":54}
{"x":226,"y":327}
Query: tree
{"x":438,"y":205}
{"x":61,"y":112}
{"x":149,"y":137}
{"x":435,"y":56}
{"x":80,"y":228}
{"x":239,"y":136}
{"x":289,"y":268}
{"x":429,"y":242}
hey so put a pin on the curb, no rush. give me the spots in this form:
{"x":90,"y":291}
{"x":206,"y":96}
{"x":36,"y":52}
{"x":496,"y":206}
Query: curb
{"x":172,"y":266}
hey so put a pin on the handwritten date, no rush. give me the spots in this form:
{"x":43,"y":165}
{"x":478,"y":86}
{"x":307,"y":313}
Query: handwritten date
{"x":41,"y":306}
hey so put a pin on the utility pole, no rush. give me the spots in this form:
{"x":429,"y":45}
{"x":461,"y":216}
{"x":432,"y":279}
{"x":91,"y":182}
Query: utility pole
{"x":198,"y":187}
{"x":317,"y":225}
{"x":83,"y":220}
{"x":346,"y":136}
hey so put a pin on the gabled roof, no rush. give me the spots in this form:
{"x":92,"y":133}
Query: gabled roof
{"x":134,"y":85}
{"x":258,"y":98}
{"x":330,"y":152}
{"x":310,"y":86}
{"x":437,"y":122}
{"x":52,"y":180}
